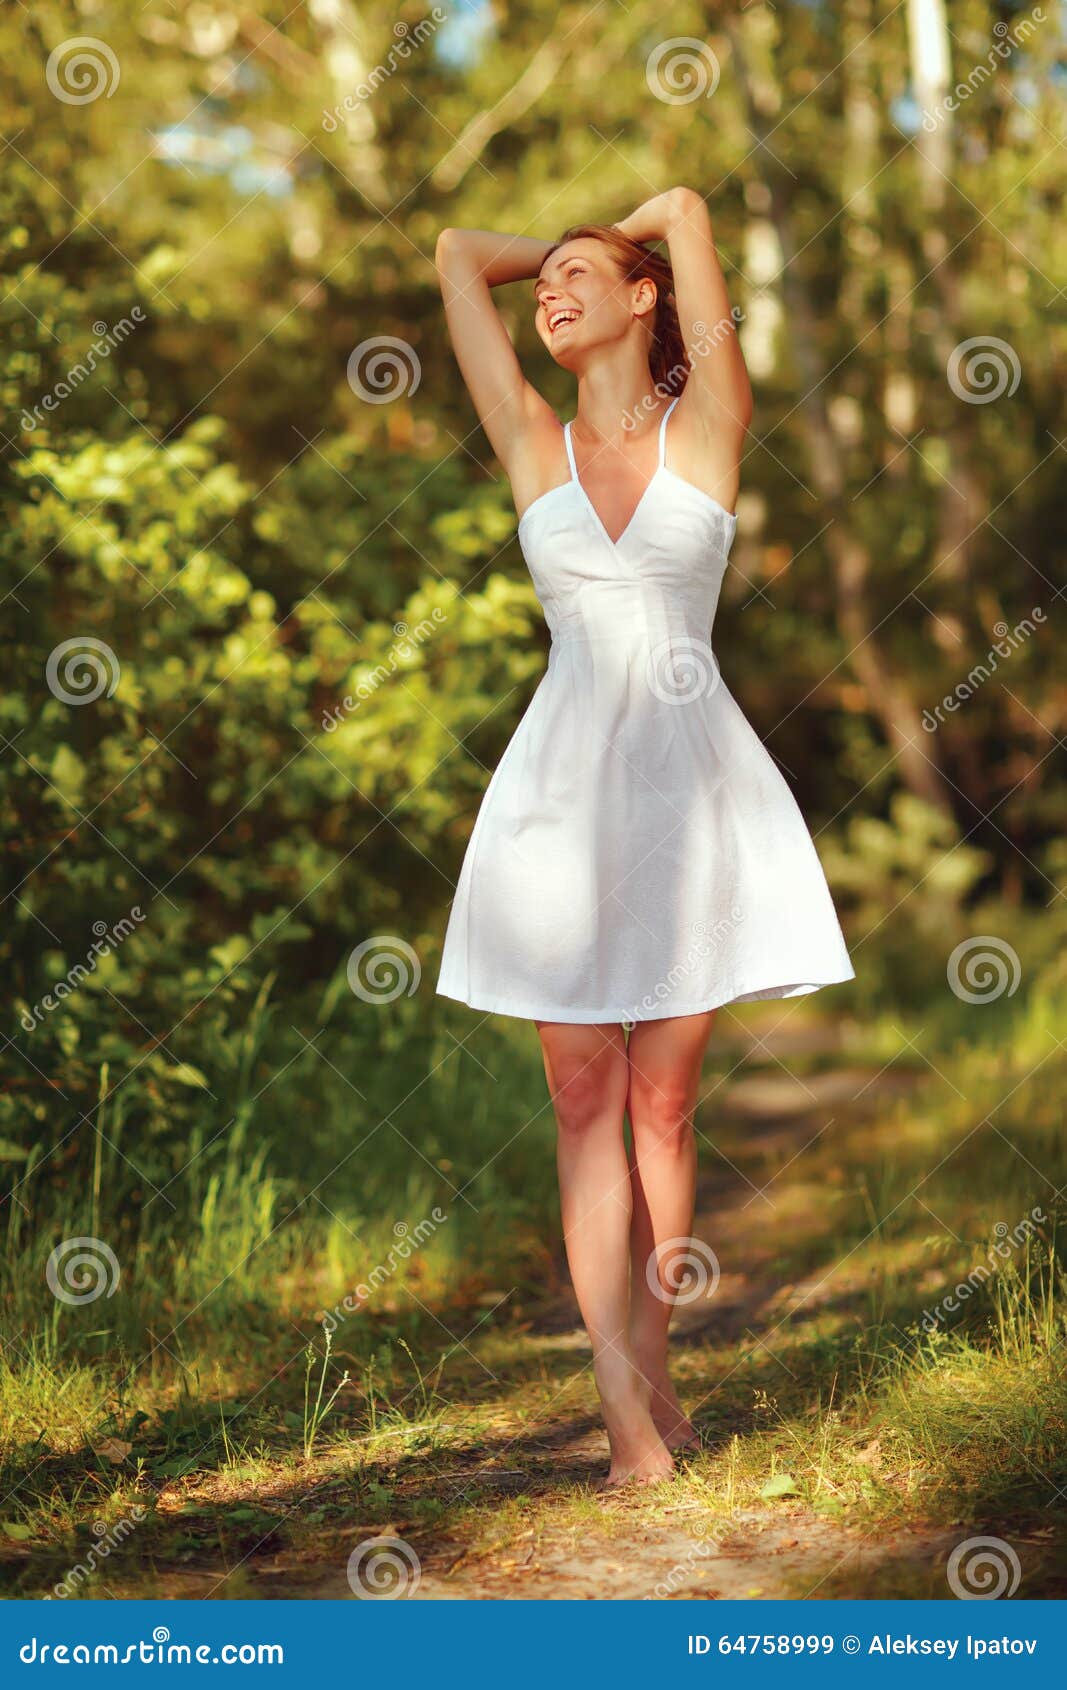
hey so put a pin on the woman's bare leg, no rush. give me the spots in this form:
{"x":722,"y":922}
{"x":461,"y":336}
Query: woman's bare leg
{"x":588,"y":1074}
{"x":664,"y":1059}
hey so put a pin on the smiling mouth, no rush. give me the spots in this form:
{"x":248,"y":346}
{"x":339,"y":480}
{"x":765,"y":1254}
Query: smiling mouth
{"x":561,"y":319}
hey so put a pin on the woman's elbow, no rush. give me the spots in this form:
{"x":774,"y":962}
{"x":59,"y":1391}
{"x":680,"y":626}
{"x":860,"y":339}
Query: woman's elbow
{"x":448,"y":248}
{"x":685,"y":203}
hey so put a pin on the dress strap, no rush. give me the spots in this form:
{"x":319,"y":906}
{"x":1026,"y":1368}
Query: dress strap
{"x":570,"y":451}
{"x":663,"y":431}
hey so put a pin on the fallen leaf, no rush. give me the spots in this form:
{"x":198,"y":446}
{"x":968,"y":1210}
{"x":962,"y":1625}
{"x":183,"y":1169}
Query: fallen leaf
{"x":112,"y":1449}
{"x":783,"y":1484}
{"x":869,"y":1455}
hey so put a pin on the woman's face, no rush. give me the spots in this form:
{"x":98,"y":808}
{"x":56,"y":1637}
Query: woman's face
{"x":583,"y":302}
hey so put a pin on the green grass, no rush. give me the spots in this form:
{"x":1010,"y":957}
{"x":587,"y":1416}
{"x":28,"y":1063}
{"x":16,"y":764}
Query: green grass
{"x":184,"y":1392}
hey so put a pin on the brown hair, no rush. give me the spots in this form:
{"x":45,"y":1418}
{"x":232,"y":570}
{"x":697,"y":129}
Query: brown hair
{"x":668,"y":359}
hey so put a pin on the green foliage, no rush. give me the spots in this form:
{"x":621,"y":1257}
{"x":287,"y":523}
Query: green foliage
{"x":313,"y":635}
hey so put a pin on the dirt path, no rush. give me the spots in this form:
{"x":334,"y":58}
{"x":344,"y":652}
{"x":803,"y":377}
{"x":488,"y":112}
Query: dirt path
{"x":788,"y":1557}
{"x":789,"y":1552}
{"x":520,"y":1465}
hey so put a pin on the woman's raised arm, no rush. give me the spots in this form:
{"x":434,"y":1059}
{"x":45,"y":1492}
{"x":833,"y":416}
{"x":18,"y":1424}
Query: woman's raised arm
{"x":718,"y":388}
{"x":470,"y":262}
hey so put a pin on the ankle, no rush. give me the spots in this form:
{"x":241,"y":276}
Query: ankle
{"x":621,"y":1382}
{"x":649,"y":1358}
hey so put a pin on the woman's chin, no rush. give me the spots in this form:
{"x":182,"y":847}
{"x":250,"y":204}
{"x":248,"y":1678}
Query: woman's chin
{"x":567,"y":357}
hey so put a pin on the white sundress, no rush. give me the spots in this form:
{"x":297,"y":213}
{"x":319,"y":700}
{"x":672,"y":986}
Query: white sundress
{"x":637,"y":854}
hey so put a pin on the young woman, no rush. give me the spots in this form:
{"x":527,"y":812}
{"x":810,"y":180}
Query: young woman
{"x":638,"y":859}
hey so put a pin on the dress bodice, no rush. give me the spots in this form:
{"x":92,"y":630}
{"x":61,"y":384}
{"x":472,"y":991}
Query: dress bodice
{"x":665,"y":569}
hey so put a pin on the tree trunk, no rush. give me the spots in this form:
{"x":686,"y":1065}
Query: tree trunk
{"x":887,"y":693}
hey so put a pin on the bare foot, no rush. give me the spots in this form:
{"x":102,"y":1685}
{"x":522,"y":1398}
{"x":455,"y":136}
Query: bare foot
{"x":638,"y":1453}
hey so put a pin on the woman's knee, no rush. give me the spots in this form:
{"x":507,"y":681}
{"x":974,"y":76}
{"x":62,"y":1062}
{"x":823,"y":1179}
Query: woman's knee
{"x":661,"y":1110}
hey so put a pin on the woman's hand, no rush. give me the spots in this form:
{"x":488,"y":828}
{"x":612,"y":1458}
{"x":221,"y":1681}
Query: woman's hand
{"x":656,"y":218}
